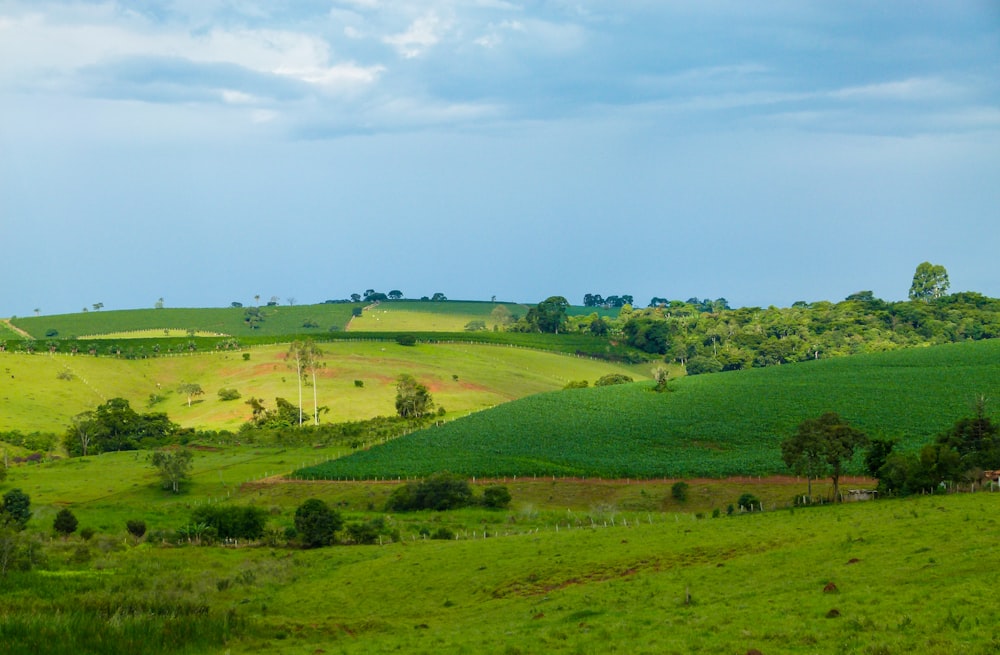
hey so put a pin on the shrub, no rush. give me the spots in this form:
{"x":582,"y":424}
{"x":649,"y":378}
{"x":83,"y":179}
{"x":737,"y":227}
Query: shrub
{"x":87,"y":533}
{"x":136,"y":527}
{"x":65,"y":522}
{"x":406,"y":340}
{"x":232,"y":521}
{"x":441,"y":491}
{"x":611,"y":379}
{"x":16,"y":507}
{"x":229,"y":394}
{"x":367,"y":532}
{"x":316,"y":524}
{"x":443,"y":533}
{"x":359,"y":383}
{"x":496,"y":496}
{"x":748,"y":502}
{"x":680,"y":491}
{"x":577,"y":384}
{"x":246,"y":357}
{"x":700,"y":364}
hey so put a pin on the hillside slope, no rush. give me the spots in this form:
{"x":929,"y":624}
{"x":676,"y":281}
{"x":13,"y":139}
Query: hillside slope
{"x":709,"y":425}
{"x":43,"y":391}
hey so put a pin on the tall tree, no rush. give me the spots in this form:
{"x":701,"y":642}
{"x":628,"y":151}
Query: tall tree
{"x":311,"y":355}
{"x":174,"y":467}
{"x":930,"y":281}
{"x":413,"y":400}
{"x":297,"y":355}
{"x":823,"y":445}
{"x":549,"y":315}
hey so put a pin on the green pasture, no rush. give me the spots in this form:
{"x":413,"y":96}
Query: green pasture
{"x":709,"y":425}
{"x":425,"y":316}
{"x":43,"y":391}
{"x":277,"y":319}
{"x":903,"y":576}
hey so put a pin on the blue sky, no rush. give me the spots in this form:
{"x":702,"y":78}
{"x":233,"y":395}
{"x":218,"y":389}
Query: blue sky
{"x":206,"y":151}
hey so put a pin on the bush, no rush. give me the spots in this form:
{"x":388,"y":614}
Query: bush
{"x":577,"y":384}
{"x":65,"y":522}
{"x":699,"y":364}
{"x":316,"y":524}
{"x":441,"y":491}
{"x":611,"y":379}
{"x":229,"y":394}
{"x":232,"y":521}
{"x":443,"y":533}
{"x":367,"y":532}
{"x":359,"y":383}
{"x":496,"y":496}
{"x":87,"y":533}
{"x":680,"y":491}
{"x":16,"y":507}
{"x":406,"y":340}
{"x":136,"y":527}
{"x":749,"y":502}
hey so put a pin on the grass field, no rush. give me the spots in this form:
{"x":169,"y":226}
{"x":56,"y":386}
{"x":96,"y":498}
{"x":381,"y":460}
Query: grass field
{"x":283,"y":319}
{"x":462,"y":377}
{"x":709,"y":425}
{"x":549,"y":575}
{"x":425,"y":316}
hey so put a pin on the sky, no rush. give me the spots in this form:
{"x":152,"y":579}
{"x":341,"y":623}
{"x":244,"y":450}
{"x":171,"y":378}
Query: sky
{"x":210,"y":151}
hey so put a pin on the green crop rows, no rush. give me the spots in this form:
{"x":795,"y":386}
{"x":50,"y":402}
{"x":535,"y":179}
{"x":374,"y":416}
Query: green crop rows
{"x":711,"y":425}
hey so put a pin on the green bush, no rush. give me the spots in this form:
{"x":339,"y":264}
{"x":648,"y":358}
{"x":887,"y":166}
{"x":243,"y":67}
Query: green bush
{"x":748,"y":502}
{"x":406,"y":340}
{"x":700,"y":364}
{"x":65,"y":522}
{"x":441,"y":491}
{"x":679,"y":491}
{"x":136,"y":527}
{"x":611,"y":379}
{"x":496,"y":496}
{"x":232,"y":521}
{"x":316,"y":524}
{"x":229,"y":394}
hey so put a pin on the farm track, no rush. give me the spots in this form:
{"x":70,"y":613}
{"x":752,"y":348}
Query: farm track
{"x":14,"y":328}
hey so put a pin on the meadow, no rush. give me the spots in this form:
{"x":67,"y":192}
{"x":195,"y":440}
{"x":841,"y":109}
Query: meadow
{"x":277,"y":320}
{"x":539,"y":577}
{"x":599,"y":561}
{"x":43,"y":391}
{"x":710,"y":425}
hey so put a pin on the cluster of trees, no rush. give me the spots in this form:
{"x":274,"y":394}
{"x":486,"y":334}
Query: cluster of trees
{"x":114,"y":425}
{"x":957,"y":455}
{"x":825,"y":446}
{"x":596,"y":300}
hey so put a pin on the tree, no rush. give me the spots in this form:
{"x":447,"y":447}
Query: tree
{"x":549,"y":315}
{"x":98,"y":306}
{"x":395,"y":294}
{"x":174,"y":467}
{"x":438,"y":297}
{"x":312,"y":354}
{"x":413,"y":400}
{"x":16,"y":508}
{"x":316,"y":524}
{"x":82,"y":431}
{"x":65,"y":523}
{"x":976,"y":439}
{"x":355,"y":297}
{"x":501,"y":316}
{"x":930,"y":281}
{"x":822,"y":446}
{"x":191,"y":389}
{"x":158,"y":304}
{"x":297,"y":355}
{"x":136,"y":528}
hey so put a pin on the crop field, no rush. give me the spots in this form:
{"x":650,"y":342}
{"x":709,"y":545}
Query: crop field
{"x":43,"y":391}
{"x":283,"y":319}
{"x":709,"y":425}
{"x":426,"y":316}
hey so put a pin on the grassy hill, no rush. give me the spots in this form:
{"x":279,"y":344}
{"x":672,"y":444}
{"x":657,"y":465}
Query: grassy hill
{"x":277,"y":320}
{"x":427,"y":316}
{"x":43,"y":391}
{"x":709,"y":425}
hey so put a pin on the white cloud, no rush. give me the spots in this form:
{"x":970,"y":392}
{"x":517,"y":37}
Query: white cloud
{"x":911,"y":89}
{"x":422,"y":34}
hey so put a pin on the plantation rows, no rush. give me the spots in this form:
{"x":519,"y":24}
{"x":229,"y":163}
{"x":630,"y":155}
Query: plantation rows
{"x":705,"y":426}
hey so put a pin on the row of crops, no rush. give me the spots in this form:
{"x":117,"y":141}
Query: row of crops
{"x":705,"y":426}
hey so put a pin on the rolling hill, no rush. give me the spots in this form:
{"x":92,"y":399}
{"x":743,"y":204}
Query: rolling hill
{"x":708,"y":425}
